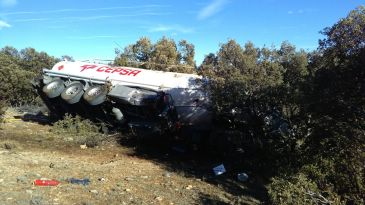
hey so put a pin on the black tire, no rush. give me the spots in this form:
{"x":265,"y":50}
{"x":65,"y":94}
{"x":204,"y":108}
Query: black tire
{"x":95,"y":95}
{"x":73,"y":92}
{"x":54,"y":88}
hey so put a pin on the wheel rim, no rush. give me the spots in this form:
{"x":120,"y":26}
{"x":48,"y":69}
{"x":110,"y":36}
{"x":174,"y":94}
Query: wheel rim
{"x":94,"y":92}
{"x":72,"y":90}
{"x":53,"y":86}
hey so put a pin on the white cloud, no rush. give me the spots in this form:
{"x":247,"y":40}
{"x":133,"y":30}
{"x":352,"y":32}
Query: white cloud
{"x":302,"y":11}
{"x":90,"y":18}
{"x":30,"y":19}
{"x":136,"y":8}
{"x":3,"y":24}
{"x":8,"y":3}
{"x":214,"y":7}
{"x":171,"y":28}
{"x":91,"y":37}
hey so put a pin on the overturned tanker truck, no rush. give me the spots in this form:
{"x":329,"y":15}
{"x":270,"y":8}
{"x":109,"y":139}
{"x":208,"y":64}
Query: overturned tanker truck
{"x":153,"y":100}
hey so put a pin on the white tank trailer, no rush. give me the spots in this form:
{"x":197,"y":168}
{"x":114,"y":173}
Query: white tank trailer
{"x":156,"y":100}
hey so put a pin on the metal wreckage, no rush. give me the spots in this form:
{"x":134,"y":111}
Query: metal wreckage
{"x":143,"y":99}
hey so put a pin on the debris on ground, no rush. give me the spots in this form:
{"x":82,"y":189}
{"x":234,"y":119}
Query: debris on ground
{"x":83,"y":146}
{"x":189,"y":187}
{"x":218,"y":170}
{"x":101,"y":179}
{"x":84,"y":182}
{"x":94,"y":191}
{"x":242,"y":177}
{"x":158,"y":198}
{"x":132,"y":176}
{"x":46,"y":182}
{"x":167,"y":174}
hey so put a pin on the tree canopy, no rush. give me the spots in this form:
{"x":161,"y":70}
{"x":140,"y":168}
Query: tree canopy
{"x":305,"y":111}
{"x":163,"y":55}
{"x":17,"y":68}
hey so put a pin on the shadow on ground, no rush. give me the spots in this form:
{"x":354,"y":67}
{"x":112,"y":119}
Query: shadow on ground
{"x":181,"y":158}
{"x":37,"y":118}
{"x":29,"y":113}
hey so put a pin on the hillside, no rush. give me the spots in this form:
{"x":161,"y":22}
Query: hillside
{"x":121,"y":171}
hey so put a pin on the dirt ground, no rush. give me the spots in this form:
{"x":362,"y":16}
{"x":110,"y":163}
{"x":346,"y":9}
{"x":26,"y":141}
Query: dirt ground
{"x":120,"y":170}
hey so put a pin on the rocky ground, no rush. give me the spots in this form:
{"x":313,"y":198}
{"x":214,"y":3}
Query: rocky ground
{"x":120,"y":170}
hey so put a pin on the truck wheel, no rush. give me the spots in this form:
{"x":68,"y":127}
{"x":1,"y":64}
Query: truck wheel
{"x":54,"y":88}
{"x":73,"y":92}
{"x":95,"y":95}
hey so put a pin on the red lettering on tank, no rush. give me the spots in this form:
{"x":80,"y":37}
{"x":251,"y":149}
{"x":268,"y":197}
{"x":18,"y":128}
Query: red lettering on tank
{"x":85,"y":67}
{"x":108,"y":69}
{"x":124,"y":71}
{"x":60,"y":67}
{"x":100,"y":69}
{"x":134,"y":72}
{"x":117,"y":70}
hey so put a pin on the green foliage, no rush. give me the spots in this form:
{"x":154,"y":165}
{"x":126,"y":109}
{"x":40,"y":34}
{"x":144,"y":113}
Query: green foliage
{"x":241,"y":74}
{"x":346,"y":37}
{"x":16,"y":71}
{"x":16,"y":88}
{"x":164,"y":55}
{"x":298,"y":189}
{"x":252,"y":95}
{"x":186,"y":53}
{"x":82,"y":131}
{"x":335,"y":104}
{"x":301,"y":114}
{"x":32,"y":60}
{"x":253,"y":81}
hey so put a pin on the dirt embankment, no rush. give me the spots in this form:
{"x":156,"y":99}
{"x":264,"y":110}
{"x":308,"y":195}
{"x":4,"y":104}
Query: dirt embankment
{"x":119,"y":174}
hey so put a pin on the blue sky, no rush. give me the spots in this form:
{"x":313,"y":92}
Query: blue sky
{"x":93,"y":29}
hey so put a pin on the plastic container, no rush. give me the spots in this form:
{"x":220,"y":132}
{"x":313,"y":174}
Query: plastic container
{"x":47,"y":182}
{"x":84,"y":182}
{"x":242,"y":177}
{"x":218,"y":170}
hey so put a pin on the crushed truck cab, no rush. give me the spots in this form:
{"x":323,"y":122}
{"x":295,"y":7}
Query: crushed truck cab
{"x":162,"y":101}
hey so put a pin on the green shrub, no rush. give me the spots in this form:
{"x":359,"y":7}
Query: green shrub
{"x":342,"y":175}
{"x":298,"y":190}
{"x":81,"y":131}
{"x":17,"y":68}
